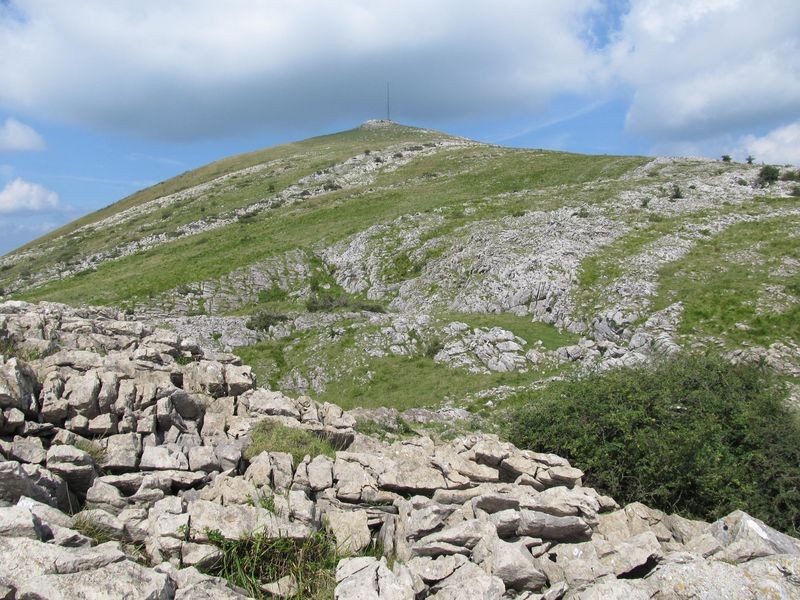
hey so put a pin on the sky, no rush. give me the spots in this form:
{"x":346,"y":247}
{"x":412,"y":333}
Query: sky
{"x":99,"y":99}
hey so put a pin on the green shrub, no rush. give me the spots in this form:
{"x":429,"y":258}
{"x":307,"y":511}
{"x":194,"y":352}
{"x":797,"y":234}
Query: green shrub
{"x":264,"y":319}
{"x":433,"y":347}
{"x":273,"y":437}
{"x":677,"y":194}
{"x":694,"y":435}
{"x":254,"y":560}
{"x":768,"y":174}
{"x":726,"y":158}
{"x":796,"y":191}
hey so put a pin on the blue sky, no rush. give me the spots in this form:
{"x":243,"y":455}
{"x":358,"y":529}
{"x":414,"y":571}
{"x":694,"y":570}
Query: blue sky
{"x":99,"y":99}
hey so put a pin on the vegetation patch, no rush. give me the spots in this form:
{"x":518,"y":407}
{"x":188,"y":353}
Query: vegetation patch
{"x":529,"y":330}
{"x":255,"y":560}
{"x":270,"y":436}
{"x":720,"y":280}
{"x":265,"y":319}
{"x":694,"y":435}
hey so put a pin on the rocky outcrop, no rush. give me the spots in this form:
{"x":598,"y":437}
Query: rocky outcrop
{"x":137,"y":435}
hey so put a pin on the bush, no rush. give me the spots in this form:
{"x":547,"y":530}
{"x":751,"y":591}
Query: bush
{"x":768,"y":174}
{"x":264,"y":319}
{"x":273,"y":437}
{"x":677,"y":194}
{"x":796,"y":191}
{"x":726,"y":158}
{"x":694,"y":435}
{"x":434,"y":347}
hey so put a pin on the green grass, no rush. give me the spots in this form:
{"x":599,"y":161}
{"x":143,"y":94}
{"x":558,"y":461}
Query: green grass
{"x":404,"y":382}
{"x":530,"y":331}
{"x":719,"y":282}
{"x":336,"y":215}
{"x":695,"y":435}
{"x":254,"y":560}
{"x":270,"y":436}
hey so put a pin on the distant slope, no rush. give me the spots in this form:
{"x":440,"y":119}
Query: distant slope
{"x":394,"y":265}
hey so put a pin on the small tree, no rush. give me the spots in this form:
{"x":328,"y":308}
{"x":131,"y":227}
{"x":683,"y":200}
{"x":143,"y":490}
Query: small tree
{"x":750,"y":159}
{"x":726,"y":158}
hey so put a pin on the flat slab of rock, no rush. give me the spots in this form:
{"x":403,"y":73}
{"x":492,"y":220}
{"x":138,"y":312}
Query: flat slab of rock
{"x":124,"y":579}
{"x":237,"y":521}
{"x":350,"y":530}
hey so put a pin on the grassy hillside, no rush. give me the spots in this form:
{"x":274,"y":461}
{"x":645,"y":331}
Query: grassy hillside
{"x":390,"y":265}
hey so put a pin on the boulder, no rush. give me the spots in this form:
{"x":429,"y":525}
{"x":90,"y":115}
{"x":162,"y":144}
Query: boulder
{"x":28,"y":450}
{"x":122,"y":452}
{"x":367,"y":578}
{"x":75,"y":466}
{"x":18,"y":386}
{"x":743,"y":538}
{"x":160,"y":458}
{"x":349,"y":529}
{"x":512,"y":563}
{"x":19,"y":522}
{"x":203,"y":458}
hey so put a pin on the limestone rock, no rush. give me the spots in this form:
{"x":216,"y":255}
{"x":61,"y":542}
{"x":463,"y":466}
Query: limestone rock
{"x":75,"y":466}
{"x":350,"y":530}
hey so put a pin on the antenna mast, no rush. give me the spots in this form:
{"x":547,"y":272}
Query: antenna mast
{"x":388,"y":114}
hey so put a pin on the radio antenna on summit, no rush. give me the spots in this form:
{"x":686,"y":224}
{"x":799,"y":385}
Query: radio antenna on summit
{"x":388,"y":113}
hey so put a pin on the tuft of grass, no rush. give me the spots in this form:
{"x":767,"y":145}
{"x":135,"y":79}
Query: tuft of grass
{"x":694,"y":435}
{"x":255,"y":560}
{"x":263,"y":500}
{"x":401,"y":428}
{"x":93,"y":449}
{"x":273,"y":437}
{"x":10,"y":349}
{"x":86,"y":526}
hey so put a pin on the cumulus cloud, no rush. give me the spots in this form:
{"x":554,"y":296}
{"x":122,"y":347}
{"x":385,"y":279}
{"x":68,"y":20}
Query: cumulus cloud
{"x":21,"y":196}
{"x":699,"y":68}
{"x":195,"y":68}
{"x":780,"y":146}
{"x":18,"y":136}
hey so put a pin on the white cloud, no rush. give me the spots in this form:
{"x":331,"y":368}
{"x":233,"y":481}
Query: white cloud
{"x":18,"y":136}
{"x":699,"y":68}
{"x":693,"y":70}
{"x":780,"y":146}
{"x":194,"y":68}
{"x":22,"y":197}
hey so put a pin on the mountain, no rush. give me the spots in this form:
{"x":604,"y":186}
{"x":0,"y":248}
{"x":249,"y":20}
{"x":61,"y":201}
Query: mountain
{"x":396,"y":266}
